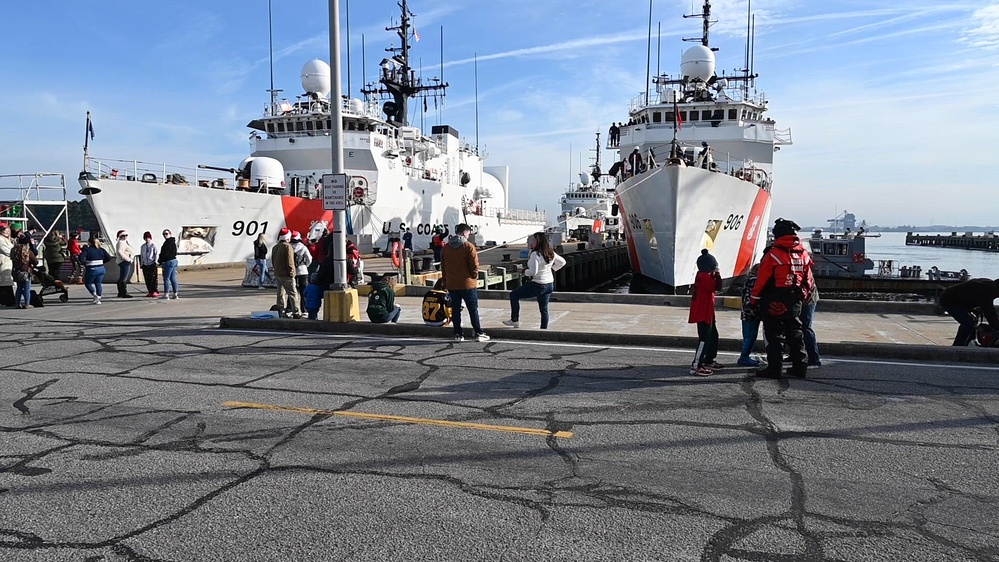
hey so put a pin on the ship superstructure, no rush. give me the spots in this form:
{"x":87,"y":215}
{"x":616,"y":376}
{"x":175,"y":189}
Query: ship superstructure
{"x":400,"y":178}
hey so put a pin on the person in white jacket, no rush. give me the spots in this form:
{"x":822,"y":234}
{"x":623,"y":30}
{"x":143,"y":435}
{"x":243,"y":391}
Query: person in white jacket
{"x":125,"y":255}
{"x":542,"y":263}
{"x":303,"y":259}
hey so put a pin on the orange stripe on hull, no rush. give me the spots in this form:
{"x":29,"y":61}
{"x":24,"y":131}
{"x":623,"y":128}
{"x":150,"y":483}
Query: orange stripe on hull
{"x":754,"y":230}
{"x":299,"y":214}
{"x":636,"y":265}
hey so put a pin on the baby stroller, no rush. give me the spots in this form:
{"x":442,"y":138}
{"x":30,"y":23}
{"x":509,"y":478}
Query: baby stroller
{"x":49,"y":286}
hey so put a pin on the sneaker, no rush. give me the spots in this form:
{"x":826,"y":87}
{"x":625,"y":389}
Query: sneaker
{"x":748,"y":362}
{"x":96,"y":300}
{"x":714,"y":365}
{"x":176,"y":296}
{"x":481,"y":337}
{"x":164,"y":297}
{"x":768,"y":373}
{"x":459,"y":337}
{"x":701,"y":371}
{"x":797,"y":371}
{"x":815,"y":365}
{"x":512,"y":323}
{"x":125,"y":296}
{"x":155,"y":294}
{"x":260,"y":286}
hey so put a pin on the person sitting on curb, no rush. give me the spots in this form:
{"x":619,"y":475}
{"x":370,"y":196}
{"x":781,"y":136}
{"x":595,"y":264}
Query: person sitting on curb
{"x":437,"y":306}
{"x":961,"y":299}
{"x":381,"y":301}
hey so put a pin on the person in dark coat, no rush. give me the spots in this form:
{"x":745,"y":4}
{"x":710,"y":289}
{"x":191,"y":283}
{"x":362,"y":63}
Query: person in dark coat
{"x":702,"y":312}
{"x":962,"y":299}
{"x":168,"y":263}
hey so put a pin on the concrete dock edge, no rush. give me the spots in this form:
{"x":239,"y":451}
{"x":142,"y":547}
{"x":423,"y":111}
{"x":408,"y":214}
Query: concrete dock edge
{"x":873,"y":351}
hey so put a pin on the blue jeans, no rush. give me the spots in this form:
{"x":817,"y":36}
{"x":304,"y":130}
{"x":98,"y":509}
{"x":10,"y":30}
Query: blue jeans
{"x":811,"y":344}
{"x":169,"y":276}
{"x":93,"y":279}
{"x":750,"y":331}
{"x":23,"y":288}
{"x":262,"y":266}
{"x":543,"y":292}
{"x":471,"y":299}
{"x":968,"y":322}
{"x":124,"y":274}
{"x":394,"y":315}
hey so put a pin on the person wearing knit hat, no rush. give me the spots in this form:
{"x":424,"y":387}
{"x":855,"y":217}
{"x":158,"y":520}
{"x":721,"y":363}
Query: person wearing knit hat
{"x":124,"y":254}
{"x":702,"y":312}
{"x":706,"y":262}
{"x":283,"y":262}
{"x":303,"y":259}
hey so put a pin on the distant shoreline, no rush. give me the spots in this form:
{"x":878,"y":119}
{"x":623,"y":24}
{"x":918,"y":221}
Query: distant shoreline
{"x":933,"y":228}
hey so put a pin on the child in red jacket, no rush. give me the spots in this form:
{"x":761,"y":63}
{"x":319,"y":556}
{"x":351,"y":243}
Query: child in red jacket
{"x":702,"y":312}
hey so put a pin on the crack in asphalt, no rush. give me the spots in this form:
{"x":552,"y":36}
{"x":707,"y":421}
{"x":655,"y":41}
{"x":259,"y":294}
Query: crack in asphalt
{"x":576,"y":488}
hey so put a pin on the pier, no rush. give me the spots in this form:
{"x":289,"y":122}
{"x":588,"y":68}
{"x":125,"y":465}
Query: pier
{"x":988,"y":242}
{"x":501,"y":267}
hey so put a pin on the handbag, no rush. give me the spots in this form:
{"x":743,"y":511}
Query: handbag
{"x":20,"y":276}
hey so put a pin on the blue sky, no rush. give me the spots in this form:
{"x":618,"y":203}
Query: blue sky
{"x":893,"y":109}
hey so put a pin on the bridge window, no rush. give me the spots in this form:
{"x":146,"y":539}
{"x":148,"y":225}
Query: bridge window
{"x":319,"y":125}
{"x":308,"y":125}
{"x":693,"y":115}
{"x":298,"y":125}
{"x":706,"y":115}
{"x":280,"y":127}
{"x":657,"y":117}
{"x":733,"y":114}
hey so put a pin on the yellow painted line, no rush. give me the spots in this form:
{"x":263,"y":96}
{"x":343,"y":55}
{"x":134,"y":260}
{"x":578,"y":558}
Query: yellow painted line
{"x":404,"y":419}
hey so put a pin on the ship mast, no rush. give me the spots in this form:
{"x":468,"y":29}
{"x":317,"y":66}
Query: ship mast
{"x":398,"y":80}
{"x":706,"y":14}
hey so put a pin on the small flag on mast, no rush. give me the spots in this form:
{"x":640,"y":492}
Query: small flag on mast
{"x":416,"y":34}
{"x":677,"y":120}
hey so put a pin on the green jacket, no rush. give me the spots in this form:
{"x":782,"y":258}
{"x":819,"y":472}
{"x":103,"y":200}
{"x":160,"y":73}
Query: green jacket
{"x":55,"y":248}
{"x":381,"y":301}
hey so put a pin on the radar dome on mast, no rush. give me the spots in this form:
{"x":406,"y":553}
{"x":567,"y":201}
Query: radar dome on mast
{"x":698,"y":63}
{"x":316,"y":78}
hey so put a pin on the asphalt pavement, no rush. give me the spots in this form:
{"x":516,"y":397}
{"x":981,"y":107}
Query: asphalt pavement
{"x":141,"y":430}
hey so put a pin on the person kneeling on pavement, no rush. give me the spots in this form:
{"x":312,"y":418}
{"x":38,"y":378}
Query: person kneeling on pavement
{"x":784,"y":282}
{"x":381,"y":301}
{"x":962,"y":299}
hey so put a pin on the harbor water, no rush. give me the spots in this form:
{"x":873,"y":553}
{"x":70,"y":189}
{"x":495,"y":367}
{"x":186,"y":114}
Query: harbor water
{"x":891,"y":246}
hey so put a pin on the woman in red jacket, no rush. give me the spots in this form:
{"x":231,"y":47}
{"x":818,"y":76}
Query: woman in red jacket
{"x":702,"y":312}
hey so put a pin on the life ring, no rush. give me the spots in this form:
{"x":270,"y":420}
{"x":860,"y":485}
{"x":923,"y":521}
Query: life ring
{"x":409,"y":161}
{"x":396,"y":257}
{"x":859,"y":258}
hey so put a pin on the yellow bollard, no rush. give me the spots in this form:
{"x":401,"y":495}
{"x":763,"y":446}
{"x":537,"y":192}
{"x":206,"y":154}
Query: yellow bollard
{"x":341,"y":306}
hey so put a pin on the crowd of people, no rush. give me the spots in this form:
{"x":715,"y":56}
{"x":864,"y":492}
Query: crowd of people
{"x":21,"y":261}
